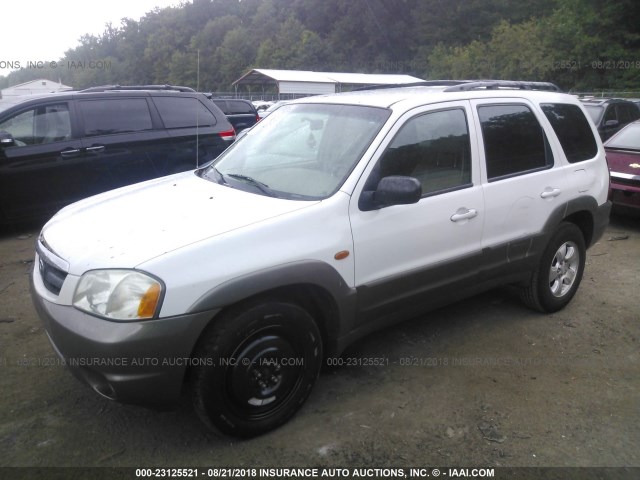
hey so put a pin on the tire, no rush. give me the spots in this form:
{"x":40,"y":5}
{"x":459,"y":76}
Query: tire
{"x":557,"y":277}
{"x":255,"y":367}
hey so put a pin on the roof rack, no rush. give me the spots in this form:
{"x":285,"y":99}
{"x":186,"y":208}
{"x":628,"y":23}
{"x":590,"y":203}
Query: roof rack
{"x":426,"y":83}
{"x":502,"y":85}
{"x":107,"y":88}
{"x":466,"y":85}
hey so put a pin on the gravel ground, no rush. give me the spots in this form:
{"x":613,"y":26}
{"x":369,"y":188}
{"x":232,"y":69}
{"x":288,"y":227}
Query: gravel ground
{"x":485,"y":382}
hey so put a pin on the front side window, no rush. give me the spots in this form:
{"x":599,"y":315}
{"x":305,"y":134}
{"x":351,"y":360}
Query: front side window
{"x":573,"y":131}
{"x":301,"y":151}
{"x":110,"y":116}
{"x":610,"y":114}
{"x":627,"y":113}
{"x":43,"y":124}
{"x":514,"y":141}
{"x":434,"y":148}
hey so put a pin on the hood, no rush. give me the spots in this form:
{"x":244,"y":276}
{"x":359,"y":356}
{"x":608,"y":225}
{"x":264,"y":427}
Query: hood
{"x":130,"y":225}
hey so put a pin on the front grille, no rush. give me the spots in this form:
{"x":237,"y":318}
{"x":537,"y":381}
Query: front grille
{"x":52,"y":276}
{"x":631,"y":182}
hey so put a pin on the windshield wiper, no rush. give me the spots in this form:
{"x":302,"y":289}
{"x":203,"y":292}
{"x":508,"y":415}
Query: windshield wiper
{"x":263,"y":187}
{"x":219,"y":173}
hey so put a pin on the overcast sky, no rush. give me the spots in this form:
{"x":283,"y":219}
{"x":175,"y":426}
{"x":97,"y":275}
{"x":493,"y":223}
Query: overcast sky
{"x":38,"y":31}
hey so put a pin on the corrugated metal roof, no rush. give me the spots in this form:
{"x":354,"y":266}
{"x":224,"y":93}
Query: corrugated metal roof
{"x":371,"y":78}
{"x":260,"y":76}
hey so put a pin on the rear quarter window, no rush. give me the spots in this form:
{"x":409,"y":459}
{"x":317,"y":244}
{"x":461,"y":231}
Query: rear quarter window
{"x":573,"y":131}
{"x":184,"y":112}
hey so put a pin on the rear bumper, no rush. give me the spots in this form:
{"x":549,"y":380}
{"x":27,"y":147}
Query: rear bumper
{"x":142,"y":363}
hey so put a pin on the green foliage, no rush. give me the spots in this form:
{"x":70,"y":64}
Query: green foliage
{"x":208,"y":44}
{"x":581,"y":45}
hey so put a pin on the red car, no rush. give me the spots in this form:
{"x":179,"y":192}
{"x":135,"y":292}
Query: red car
{"x":623,"y":156}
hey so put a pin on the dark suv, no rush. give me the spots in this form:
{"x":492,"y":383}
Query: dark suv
{"x":58,"y":148}
{"x":241,"y":113}
{"x":611,"y":114}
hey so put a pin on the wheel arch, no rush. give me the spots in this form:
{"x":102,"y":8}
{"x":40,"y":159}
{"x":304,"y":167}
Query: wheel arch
{"x":315,"y":286}
{"x":581,"y":212}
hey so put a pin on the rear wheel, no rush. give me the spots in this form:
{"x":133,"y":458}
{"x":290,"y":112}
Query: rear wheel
{"x":255,"y":367}
{"x":556,"y":280}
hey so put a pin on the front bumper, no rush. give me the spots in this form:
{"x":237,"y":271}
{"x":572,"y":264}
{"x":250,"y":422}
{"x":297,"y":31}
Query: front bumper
{"x":624,"y":190}
{"x":141,"y":362}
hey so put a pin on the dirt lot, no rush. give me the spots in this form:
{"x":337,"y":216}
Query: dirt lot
{"x":485,"y":382}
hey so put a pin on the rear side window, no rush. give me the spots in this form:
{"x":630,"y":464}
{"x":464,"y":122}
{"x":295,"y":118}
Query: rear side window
{"x":572,"y":129}
{"x":183,"y":112}
{"x":109,"y":116}
{"x":514,"y":141}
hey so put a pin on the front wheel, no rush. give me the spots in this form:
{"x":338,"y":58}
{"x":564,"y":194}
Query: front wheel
{"x":255,"y":367}
{"x":558,"y":275}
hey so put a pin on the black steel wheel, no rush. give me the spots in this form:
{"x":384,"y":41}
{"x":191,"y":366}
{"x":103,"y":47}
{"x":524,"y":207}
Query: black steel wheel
{"x":255,"y":367}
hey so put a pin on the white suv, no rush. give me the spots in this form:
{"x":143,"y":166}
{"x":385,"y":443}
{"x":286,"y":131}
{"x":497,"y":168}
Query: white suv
{"x":334,"y":216}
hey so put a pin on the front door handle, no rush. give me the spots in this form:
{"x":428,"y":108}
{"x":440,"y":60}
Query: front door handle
{"x":70,"y":153}
{"x":464,"y":214}
{"x":550,"y":192}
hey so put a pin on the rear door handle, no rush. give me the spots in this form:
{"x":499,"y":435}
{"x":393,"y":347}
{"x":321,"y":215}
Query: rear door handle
{"x":97,"y":148}
{"x":464,"y":214}
{"x":550,"y":192}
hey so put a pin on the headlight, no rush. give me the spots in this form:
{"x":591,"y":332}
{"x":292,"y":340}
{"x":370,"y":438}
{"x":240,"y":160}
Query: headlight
{"x":118,"y":294}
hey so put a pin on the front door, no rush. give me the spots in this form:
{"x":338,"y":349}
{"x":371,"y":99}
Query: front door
{"x":408,"y":257}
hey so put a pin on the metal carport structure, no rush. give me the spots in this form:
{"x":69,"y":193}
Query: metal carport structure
{"x":293,"y":83}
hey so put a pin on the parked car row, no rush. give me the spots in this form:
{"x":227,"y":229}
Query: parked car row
{"x":610,"y":115}
{"x":72,"y":145}
{"x":618,"y":124}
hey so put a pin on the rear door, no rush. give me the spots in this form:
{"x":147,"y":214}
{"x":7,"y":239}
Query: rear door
{"x":523,"y":182}
{"x":120,"y":138}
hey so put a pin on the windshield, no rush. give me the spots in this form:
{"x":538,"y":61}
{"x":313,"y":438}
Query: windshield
{"x":627,"y":139}
{"x":300,"y":151}
{"x":595,"y":112}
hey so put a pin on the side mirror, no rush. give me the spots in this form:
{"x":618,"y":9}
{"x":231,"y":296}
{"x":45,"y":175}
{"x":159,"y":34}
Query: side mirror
{"x":392,"y":190}
{"x":6,"y":139}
